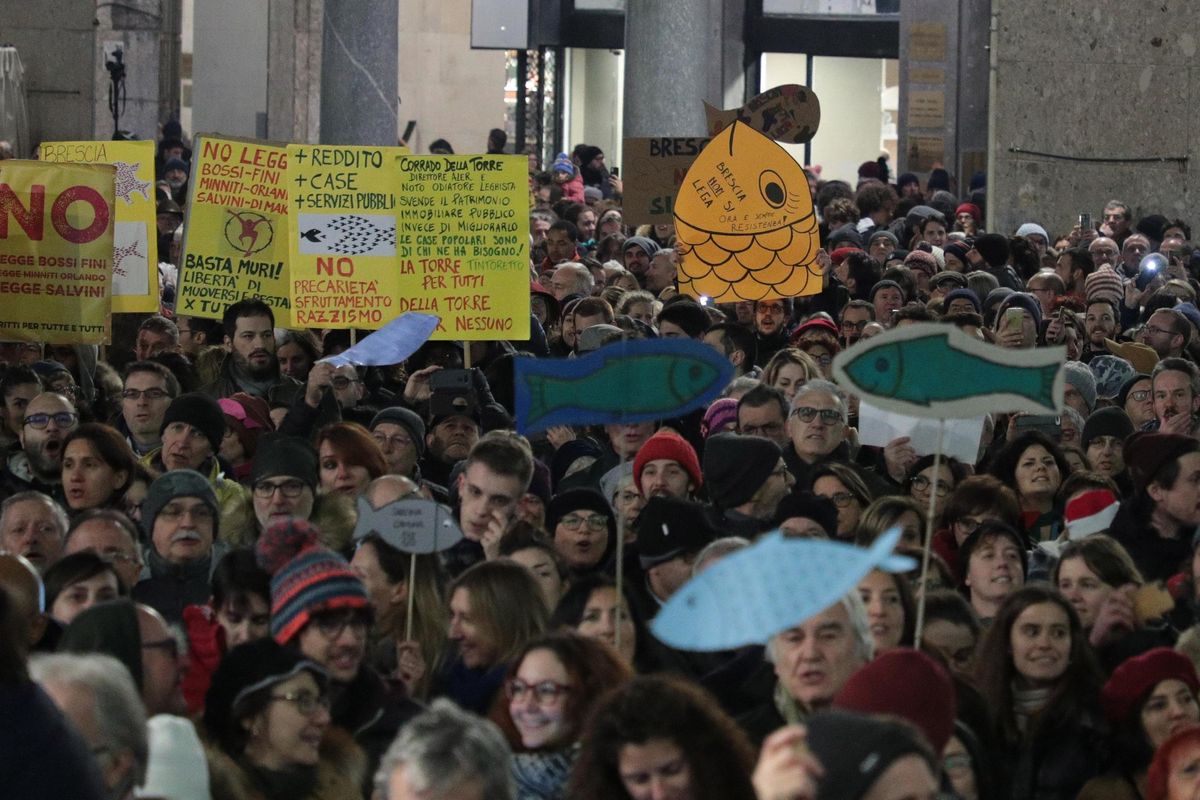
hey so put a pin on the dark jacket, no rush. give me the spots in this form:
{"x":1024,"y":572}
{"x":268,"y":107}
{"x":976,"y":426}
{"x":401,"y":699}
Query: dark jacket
{"x":372,"y":710}
{"x":1054,"y":766}
{"x":169,"y":588}
{"x":42,"y":757}
{"x":1156,"y":556}
{"x":283,"y":390}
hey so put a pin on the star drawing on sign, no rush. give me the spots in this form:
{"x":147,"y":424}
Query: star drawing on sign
{"x":121,"y":253}
{"x":127,"y":182}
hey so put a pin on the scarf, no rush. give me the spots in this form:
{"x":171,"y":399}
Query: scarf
{"x":1028,"y":703}
{"x":289,"y":784}
{"x":543,"y":776}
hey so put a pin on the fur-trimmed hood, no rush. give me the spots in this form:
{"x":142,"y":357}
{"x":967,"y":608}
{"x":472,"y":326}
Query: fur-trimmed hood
{"x":341,"y":772}
{"x":332,"y":514}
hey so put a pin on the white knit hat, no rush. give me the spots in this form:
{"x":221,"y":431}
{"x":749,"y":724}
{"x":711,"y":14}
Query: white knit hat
{"x":178,"y":769}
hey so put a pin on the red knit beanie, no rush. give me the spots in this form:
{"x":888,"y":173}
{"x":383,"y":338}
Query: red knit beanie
{"x":673,"y":447}
{"x":1136,"y":677}
{"x":908,"y":684}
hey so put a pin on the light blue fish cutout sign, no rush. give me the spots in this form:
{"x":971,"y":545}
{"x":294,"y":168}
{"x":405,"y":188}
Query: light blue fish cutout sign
{"x":775,"y":584}
{"x":392,"y":343}
{"x":410,"y":525}
{"x":627,"y":381}
{"x":936,"y":370}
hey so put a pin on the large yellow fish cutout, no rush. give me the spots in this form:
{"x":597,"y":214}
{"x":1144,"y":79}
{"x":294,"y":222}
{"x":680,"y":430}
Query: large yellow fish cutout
{"x":744,"y":222}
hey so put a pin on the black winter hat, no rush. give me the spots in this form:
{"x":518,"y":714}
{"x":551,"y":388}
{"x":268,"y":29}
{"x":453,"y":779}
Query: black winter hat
{"x":179,"y":483}
{"x":1109,"y":421}
{"x":820,"y":510}
{"x":570,"y":500}
{"x":201,"y":412}
{"x":736,"y":466}
{"x":994,"y":249}
{"x":279,"y":454}
{"x":856,"y":749}
{"x":399,"y":415}
{"x":670,"y":527}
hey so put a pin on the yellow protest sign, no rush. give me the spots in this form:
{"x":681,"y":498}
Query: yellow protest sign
{"x":343,"y":264}
{"x":235,"y":228}
{"x":135,"y":232}
{"x":462,"y":236}
{"x":654,"y":169}
{"x":744,"y":222}
{"x":56,"y":252}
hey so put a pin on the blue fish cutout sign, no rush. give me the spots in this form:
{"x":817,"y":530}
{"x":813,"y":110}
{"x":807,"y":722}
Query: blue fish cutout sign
{"x":936,"y":370}
{"x":391,"y":344}
{"x":409,"y":525}
{"x":627,"y":381}
{"x":775,"y":584}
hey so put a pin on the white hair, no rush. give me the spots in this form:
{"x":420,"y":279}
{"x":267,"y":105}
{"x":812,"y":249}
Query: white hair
{"x":61,"y":520}
{"x":116,"y":705}
{"x":818,"y":385}
{"x":718,"y":548}
{"x":860,"y":627}
{"x":584,"y":280}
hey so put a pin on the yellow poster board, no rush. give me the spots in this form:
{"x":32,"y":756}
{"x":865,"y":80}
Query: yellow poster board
{"x":235,"y":236}
{"x":343,"y":264}
{"x":56,"y":252}
{"x":135,"y":235}
{"x":462,"y":237}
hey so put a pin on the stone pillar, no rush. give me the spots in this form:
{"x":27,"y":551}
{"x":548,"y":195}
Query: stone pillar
{"x":944,"y":86}
{"x":294,"y":70}
{"x":359,"y":71}
{"x":135,"y":28}
{"x":675,"y":55}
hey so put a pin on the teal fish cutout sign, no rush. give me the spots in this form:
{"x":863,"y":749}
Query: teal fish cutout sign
{"x":937,"y":370}
{"x":775,"y":584}
{"x":627,"y":381}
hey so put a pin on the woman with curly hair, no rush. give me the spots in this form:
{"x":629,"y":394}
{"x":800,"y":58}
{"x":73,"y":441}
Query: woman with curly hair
{"x":661,"y":736}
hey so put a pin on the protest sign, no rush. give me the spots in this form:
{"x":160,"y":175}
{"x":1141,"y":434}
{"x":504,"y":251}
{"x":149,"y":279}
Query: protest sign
{"x":462,"y":237}
{"x":343,"y":235}
{"x":235,"y":239}
{"x":789,"y":113}
{"x":960,"y":437}
{"x":135,"y":230}
{"x":56,"y":251}
{"x":744,"y":222}
{"x":654,"y":169}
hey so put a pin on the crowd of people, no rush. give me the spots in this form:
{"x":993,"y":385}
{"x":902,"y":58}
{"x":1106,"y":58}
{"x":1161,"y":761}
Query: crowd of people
{"x":189,"y":609}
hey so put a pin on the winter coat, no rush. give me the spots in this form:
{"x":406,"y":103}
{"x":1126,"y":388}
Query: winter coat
{"x":1064,"y":756}
{"x":332,"y":514}
{"x":372,"y":710}
{"x":341,"y":771}
{"x":1156,"y":557}
{"x":43,"y":757}
{"x":169,"y":588}
{"x":228,"y":491}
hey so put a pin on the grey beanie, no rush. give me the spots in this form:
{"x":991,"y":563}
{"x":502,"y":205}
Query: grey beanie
{"x":399,"y":415}
{"x":178,"y":483}
{"x":1080,"y":376}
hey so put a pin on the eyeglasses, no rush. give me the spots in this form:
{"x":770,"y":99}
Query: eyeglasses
{"x":63,"y":419}
{"x":956,"y":762}
{"x":545,"y":693}
{"x":149,"y":394}
{"x":1158,"y":331}
{"x":398,"y":440}
{"x":341,"y":381}
{"x":307,"y":703}
{"x":830,"y":416}
{"x":969,"y":524}
{"x":921,"y":484}
{"x":1140,"y":395}
{"x":265,"y":490}
{"x":769,"y":430}
{"x":840,"y":499}
{"x":855,"y":326}
{"x":332,"y":626}
{"x":117,"y":555}
{"x":198,"y":512}
{"x":574,"y":522}
{"x":170,"y":646}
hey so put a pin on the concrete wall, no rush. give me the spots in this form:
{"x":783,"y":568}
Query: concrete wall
{"x":58,"y":53}
{"x":453,"y":92}
{"x":229,"y":66}
{"x":1092,"y":80}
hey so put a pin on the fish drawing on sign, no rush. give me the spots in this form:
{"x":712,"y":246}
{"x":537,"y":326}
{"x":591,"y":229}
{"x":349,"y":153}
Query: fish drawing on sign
{"x":347,"y":235}
{"x":775,"y":584}
{"x":935,"y":370}
{"x":127,"y":182}
{"x":744,"y":222}
{"x":627,"y":381}
{"x":410,"y":525}
{"x":789,"y":113}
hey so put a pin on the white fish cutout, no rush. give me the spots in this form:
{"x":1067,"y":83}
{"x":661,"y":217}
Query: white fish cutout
{"x":409,"y":525}
{"x":775,"y":584}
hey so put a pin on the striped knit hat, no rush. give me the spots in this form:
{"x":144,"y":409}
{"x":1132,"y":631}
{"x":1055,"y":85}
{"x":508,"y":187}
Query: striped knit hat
{"x":306,"y":577}
{"x":1104,"y":284}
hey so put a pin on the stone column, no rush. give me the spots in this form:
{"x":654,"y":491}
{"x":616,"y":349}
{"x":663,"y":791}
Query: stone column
{"x":675,"y":54}
{"x":359,"y":70}
{"x":294,"y":70}
{"x":136,"y":29}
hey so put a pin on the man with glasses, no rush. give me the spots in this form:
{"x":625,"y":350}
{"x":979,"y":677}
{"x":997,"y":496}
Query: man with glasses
{"x":37,"y":464}
{"x":284,"y":480}
{"x":320,"y":607}
{"x":400,"y":434}
{"x":763,"y":411}
{"x":856,"y":315}
{"x":817,"y":428}
{"x":1167,"y":331}
{"x":770,"y":328}
{"x":156,"y":335}
{"x":196,"y":333}
{"x":746,"y":478}
{"x":349,"y":390}
{"x":180,"y":517}
{"x":1137,"y":398}
{"x":110,"y":534}
{"x":149,"y":389}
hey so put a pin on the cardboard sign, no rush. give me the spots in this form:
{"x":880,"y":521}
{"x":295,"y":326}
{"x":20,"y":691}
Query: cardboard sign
{"x":56,"y":251}
{"x":744,"y":222}
{"x":410,"y":525}
{"x":789,"y":113}
{"x":462,"y":236}
{"x":235,"y":236}
{"x":343,"y":236}
{"x":959,"y":437}
{"x":655,"y":168}
{"x":135,"y":232}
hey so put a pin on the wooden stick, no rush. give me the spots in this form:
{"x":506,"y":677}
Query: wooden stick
{"x":937,"y":468}
{"x":620,"y":577}
{"x":412,"y":594}
{"x":466,"y":354}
